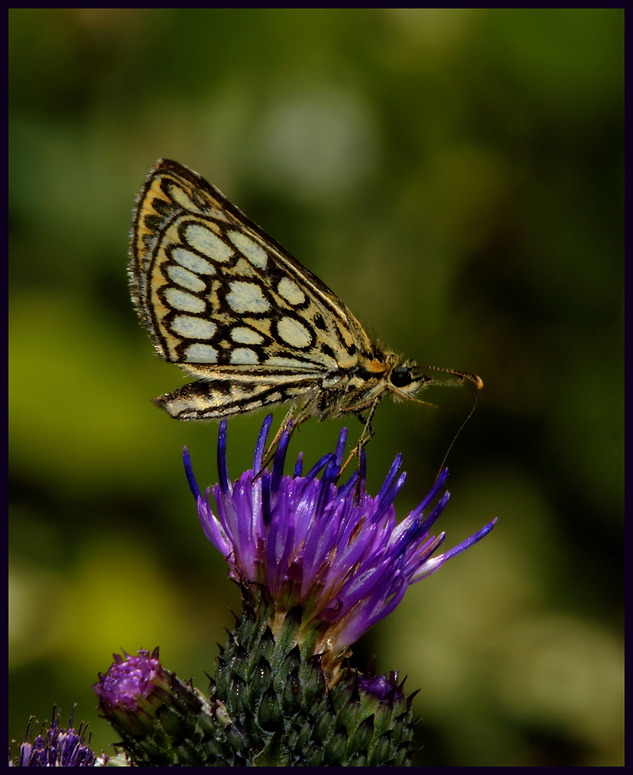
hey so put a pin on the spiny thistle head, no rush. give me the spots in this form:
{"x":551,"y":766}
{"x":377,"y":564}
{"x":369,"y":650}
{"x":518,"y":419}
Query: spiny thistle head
{"x":318,"y":563}
{"x":161,"y":720}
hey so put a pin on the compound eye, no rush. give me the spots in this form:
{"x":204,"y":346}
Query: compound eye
{"x":401,"y":376}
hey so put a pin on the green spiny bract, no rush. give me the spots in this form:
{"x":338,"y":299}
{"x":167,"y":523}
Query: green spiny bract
{"x":282,"y":708}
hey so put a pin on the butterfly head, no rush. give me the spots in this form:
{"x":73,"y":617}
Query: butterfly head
{"x":407,"y":379}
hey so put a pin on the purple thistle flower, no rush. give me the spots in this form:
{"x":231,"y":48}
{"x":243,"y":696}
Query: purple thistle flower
{"x":335,"y":551}
{"x":56,"y":747}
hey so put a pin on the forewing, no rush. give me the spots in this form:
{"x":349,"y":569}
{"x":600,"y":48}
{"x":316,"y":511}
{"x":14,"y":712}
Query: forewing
{"x":224,"y":300}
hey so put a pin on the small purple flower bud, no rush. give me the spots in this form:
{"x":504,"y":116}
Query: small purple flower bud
{"x":129,"y":680}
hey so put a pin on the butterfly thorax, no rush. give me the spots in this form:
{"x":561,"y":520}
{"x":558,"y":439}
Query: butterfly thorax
{"x":360,"y":387}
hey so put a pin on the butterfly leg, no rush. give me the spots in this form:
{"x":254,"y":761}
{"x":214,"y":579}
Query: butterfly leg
{"x":290,"y":422}
{"x":366,"y":435}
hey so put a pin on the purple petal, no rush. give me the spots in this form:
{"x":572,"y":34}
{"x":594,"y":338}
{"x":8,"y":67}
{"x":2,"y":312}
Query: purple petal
{"x":223,"y":472}
{"x":193,"y":485}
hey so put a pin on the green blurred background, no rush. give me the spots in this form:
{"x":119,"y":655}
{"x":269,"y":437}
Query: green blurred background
{"x":456,"y":177}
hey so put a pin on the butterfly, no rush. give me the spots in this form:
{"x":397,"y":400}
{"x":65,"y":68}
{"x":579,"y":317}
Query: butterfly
{"x":229,"y":305}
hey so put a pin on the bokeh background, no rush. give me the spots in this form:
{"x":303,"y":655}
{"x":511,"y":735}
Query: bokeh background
{"x":456,"y":177}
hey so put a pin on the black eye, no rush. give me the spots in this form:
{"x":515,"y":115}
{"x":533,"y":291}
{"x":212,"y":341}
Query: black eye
{"x":401,"y":376}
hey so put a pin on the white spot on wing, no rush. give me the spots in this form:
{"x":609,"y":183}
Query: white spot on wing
{"x":180,"y":197}
{"x":246,"y":297}
{"x":295,"y":391}
{"x":179,"y":405}
{"x":217,"y":214}
{"x":243,"y":356}
{"x":245,"y":335}
{"x":253,"y":252}
{"x":290,"y":291}
{"x":183,"y":300}
{"x":293,"y":332}
{"x":193,"y":328}
{"x":185,"y":278}
{"x":294,"y":363}
{"x":201,"y":353}
{"x":205,"y":241}
{"x":191,"y":261}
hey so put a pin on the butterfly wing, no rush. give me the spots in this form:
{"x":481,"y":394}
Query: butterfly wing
{"x":214,"y":289}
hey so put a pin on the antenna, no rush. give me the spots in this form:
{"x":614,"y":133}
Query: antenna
{"x":479,"y":383}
